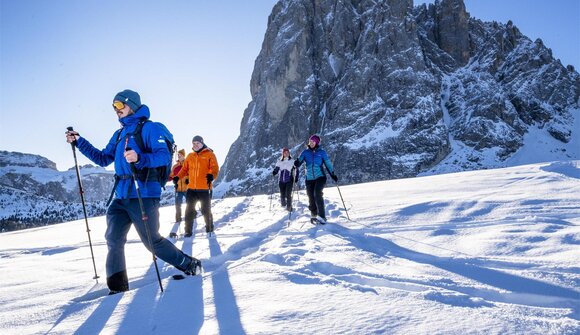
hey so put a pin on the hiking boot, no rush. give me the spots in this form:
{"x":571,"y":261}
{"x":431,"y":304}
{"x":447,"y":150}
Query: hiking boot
{"x":194,"y":267}
{"x":321,"y":219}
{"x":111,"y":292}
{"x":209,"y":228}
{"x":187,"y":235}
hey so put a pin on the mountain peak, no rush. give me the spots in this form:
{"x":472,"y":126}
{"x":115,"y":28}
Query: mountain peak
{"x":395,"y":90}
{"x":8,"y":158}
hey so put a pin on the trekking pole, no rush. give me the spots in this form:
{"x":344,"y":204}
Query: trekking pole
{"x":271,"y":194}
{"x":298,"y":190}
{"x":295,"y":201}
{"x":96,"y":277}
{"x":210,"y":215}
{"x":339,"y":193}
{"x":144,"y":217}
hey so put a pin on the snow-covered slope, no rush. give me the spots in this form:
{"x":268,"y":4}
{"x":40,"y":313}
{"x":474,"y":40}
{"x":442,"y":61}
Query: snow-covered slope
{"x":482,"y":252}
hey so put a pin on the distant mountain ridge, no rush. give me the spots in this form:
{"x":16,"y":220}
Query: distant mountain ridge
{"x":398,"y":91}
{"x":33,"y":192}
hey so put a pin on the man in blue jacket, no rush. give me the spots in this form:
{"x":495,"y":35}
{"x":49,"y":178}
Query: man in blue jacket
{"x":314,"y":157}
{"x":125,"y":209}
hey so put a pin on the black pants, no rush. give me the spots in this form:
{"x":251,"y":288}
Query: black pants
{"x":315,"y":200}
{"x":286,"y":194}
{"x":179,"y":196}
{"x":121,"y":215}
{"x":191,"y":198}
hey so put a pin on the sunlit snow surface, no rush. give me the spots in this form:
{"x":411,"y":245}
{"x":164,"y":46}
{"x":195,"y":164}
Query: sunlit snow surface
{"x":483,"y":252}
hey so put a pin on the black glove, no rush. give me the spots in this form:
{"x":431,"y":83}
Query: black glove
{"x":175,"y":180}
{"x":296,"y":162}
{"x":209,"y":177}
{"x":334,"y":177}
{"x":187,"y":181}
{"x":275,"y":172}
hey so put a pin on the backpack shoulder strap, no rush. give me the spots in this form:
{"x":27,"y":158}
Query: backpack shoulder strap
{"x":138,"y":134}
{"x":118,"y":132}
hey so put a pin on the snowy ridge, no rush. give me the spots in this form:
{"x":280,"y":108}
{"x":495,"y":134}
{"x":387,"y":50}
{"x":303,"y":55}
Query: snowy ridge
{"x":33,"y":193}
{"x":481,"y":252}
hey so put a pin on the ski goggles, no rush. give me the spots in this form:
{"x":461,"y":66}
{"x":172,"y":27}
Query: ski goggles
{"x":118,"y":105}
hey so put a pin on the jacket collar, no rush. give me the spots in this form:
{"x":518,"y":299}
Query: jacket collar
{"x":141,"y":114}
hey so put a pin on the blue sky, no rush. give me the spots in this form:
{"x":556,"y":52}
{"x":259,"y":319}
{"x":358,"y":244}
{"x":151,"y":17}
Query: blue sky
{"x":61,"y":63}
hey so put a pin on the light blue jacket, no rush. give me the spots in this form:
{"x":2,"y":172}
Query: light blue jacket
{"x":314,"y":159}
{"x":153,"y":140}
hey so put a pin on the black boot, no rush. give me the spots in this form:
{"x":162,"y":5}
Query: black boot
{"x":118,"y":282}
{"x":193,"y":267}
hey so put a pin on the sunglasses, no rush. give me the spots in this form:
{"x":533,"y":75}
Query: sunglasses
{"x":118,"y":105}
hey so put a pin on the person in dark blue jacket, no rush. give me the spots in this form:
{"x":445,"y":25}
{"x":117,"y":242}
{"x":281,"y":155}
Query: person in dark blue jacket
{"x":125,"y":209}
{"x":315,"y":157}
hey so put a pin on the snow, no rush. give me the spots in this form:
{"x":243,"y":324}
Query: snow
{"x":67,"y":178}
{"x":479,"y":252}
{"x":539,"y":146}
{"x":336,"y":64}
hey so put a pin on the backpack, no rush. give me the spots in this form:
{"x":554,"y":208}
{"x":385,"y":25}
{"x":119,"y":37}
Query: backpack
{"x":160,"y":173}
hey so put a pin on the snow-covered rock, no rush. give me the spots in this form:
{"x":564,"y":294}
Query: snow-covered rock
{"x":397,"y":91}
{"x":33,"y":192}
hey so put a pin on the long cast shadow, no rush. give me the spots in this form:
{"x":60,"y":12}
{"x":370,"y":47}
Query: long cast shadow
{"x":227,"y":311}
{"x":96,"y":322}
{"x":99,"y":316}
{"x":235,"y":212}
{"x":462,"y":267}
{"x":192,"y":300}
{"x":134,"y":314}
{"x":177,"y":297}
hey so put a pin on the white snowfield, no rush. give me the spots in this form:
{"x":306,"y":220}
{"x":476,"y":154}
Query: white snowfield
{"x":484,"y":252}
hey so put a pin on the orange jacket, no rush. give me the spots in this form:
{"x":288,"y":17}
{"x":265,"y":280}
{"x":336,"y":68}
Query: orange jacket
{"x":197,"y":166}
{"x":182,"y":183}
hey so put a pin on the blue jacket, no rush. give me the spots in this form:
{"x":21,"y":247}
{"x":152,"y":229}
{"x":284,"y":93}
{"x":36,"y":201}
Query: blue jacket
{"x":314,"y":158}
{"x":113,"y":152}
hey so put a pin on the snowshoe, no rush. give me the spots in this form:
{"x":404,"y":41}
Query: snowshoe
{"x":318,"y":220}
{"x":193,"y":268}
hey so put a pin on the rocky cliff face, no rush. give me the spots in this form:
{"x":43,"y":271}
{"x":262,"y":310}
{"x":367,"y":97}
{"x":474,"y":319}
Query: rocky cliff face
{"x":395,"y":91}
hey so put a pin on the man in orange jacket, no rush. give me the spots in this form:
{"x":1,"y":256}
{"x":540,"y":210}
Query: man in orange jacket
{"x":202,"y":169}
